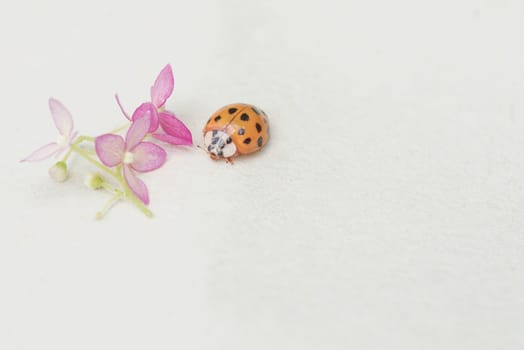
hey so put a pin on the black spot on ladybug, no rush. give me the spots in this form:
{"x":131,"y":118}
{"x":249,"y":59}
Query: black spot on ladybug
{"x":217,"y":118}
{"x":214,"y":141}
{"x":215,"y":132}
{"x":220,"y":153}
{"x":247,"y":141}
{"x":244,"y":117}
{"x":209,"y":148}
{"x":241,"y":131}
{"x":229,"y":140}
{"x":255,"y":110}
{"x":232,"y":110}
{"x":259,"y":141}
{"x":259,"y":127}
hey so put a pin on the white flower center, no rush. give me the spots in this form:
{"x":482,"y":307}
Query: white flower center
{"x":62,"y":141}
{"x":128,"y":158}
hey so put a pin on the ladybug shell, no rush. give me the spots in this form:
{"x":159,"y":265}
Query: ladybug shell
{"x":246,"y":124}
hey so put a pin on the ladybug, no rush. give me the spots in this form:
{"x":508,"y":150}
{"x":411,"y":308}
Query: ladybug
{"x":235,"y":129}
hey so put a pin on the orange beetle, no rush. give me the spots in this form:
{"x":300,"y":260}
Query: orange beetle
{"x":235,"y":129}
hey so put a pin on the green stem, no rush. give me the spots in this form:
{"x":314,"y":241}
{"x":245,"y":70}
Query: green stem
{"x":66,"y":157}
{"x":77,"y":141}
{"x":82,"y":138}
{"x":120,"y":128}
{"x":110,"y":188}
{"x":109,"y":205}
{"x":96,"y":163}
{"x":138,"y":203}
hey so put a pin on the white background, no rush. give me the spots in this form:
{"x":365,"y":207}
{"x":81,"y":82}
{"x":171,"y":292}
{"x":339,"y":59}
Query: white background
{"x":385,"y":213}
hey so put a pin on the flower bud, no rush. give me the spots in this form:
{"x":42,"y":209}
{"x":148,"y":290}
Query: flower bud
{"x":94,"y":181}
{"x":58,"y":172}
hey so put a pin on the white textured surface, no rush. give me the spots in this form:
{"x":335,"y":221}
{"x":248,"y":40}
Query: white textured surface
{"x":386,"y":211}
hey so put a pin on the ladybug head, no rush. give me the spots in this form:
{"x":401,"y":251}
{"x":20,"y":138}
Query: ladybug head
{"x":219,"y":144}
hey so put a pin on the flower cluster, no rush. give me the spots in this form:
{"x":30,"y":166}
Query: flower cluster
{"x":120,"y":158}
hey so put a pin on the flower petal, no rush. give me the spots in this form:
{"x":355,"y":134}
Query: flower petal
{"x":110,"y":149}
{"x":136,"y":185}
{"x":163,"y":87}
{"x":147,"y":110}
{"x":61,"y":117}
{"x":137,"y":131}
{"x":43,"y":152}
{"x":174,"y":127}
{"x":177,"y":141}
{"x":147,"y":157}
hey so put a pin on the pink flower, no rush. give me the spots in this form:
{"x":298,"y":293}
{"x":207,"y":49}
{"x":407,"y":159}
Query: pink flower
{"x":132,"y":153}
{"x":176,"y":132}
{"x":64,"y":123}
